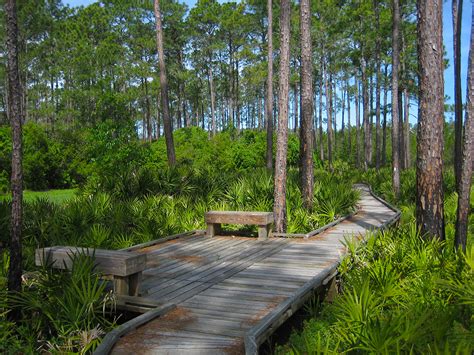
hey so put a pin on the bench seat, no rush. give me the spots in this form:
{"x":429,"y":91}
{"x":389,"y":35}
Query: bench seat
{"x":263,"y":220}
{"x":125,"y":267}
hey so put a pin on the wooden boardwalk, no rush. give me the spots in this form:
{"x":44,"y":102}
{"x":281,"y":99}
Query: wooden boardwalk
{"x":228,"y":294}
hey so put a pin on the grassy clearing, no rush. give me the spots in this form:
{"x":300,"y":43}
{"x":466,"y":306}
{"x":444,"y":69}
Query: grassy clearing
{"x":55,"y":196}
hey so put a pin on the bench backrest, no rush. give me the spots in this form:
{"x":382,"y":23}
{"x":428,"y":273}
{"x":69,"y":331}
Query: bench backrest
{"x":239,"y":217}
{"x":110,"y":262}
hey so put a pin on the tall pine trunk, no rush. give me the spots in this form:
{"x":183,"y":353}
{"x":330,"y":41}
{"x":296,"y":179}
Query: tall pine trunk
{"x":429,"y":172}
{"x":15,"y":113}
{"x":460,"y":239}
{"x":320,"y":115}
{"x":349,"y":141}
{"x":213,"y":100}
{"x":164,"y":87}
{"x":269,"y":98}
{"x":327,"y":85}
{"x":358,"y":135}
{"x":458,"y":125}
{"x":306,"y":130}
{"x":406,"y":126}
{"x":279,"y":208}
{"x":395,"y":113}
{"x":377,"y":86}
{"x":365,"y":110}
{"x":384,"y":123}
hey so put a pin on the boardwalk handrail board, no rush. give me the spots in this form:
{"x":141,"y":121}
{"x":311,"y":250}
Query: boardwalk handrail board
{"x":221,"y":299}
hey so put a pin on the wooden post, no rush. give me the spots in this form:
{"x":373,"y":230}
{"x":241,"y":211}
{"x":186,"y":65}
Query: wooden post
{"x":263,"y":232}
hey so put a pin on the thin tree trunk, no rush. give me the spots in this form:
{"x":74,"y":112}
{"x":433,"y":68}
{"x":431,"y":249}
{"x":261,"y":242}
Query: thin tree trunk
{"x":148,"y":113}
{"x":343,"y":103}
{"x":269,"y":98}
{"x":429,"y":172}
{"x":295,"y":106}
{"x":327,"y":85}
{"x":358,"y":135}
{"x":460,"y":239}
{"x":213,"y":100}
{"x":320,"y":114}
{"x":406,"y":135}
{"x":164,"y":87}
{"x":349,"y":142}
{"x":306,"y":130}
{"x":279,"y":208}
{"x":395,"y":115}
{"x":384,"y":124}
{"x":377,"y":87}
{"x":365,"y":110}
{"x":16,"y":115}
{"x":458,"y":125}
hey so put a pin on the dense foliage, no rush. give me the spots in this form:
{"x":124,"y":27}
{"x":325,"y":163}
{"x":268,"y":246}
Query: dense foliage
{"x":400,"y":293}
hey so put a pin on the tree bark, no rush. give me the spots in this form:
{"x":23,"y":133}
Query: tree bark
{"x":213,"y":100}
{"x":460,"y":239}
{"x":328,"y":87}
{"x":164,"y":87}
{"x":384,"y":124}
{"x":458,"y":124}
{"x":295,"y":106}
{"x":16,"y":115}
{"x":429,"y":172}
{"x":148,"y":113}
{"x":269,"y":98}
{"x":306,"y":130}
{"x":377,"y":87}
{"x":320,"y":114}
{"x":349,"y":141}
{"x":365,"y":110}
{"x":358,"y":135}
{"x":406,"y":135}
{"x":395,"y":115}
{"x":279,"y":208}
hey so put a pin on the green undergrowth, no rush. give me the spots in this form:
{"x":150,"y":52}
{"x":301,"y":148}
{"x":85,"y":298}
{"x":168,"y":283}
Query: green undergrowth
{"x":167,"y":202}
{"x":399,"y":292}
{"x":60,"y":312}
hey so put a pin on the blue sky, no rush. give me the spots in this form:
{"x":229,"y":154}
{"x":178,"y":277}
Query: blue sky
{"x":447,"y":36}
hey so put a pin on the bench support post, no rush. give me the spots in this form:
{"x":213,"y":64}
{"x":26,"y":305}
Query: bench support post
{"x":213,"y":229}
{"x":127,"y":285}
{"x":263,"y":232}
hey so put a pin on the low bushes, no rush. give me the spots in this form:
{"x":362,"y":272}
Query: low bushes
{"x":400,"y":294}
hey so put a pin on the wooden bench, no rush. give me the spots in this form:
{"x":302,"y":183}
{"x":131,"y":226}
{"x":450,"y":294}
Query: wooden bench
{"x":263,"y":220}
{"x":125,"y":267}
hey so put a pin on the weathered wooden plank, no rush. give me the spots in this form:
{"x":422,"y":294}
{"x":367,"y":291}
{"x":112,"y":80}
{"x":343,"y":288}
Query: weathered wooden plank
{"x":203,"y":255}
{"x":193,"y":304}
{"x":281,"y":312}
{"x":291,"y":285}
{"x":221,"y":313}
{"x":114,"y":262}
{"x":239,"y":217}
{"x":141,"y":246}
{"x":111,"y":338}
{"x":224,"y":301}
{"x":243,"y":295}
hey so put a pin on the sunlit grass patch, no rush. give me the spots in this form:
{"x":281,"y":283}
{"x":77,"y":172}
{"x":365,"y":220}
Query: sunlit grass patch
{"x":55,"y":196}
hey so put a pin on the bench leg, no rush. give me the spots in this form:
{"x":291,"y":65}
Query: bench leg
{"x":213,"y":229}
{"x":263,"y":232}
{"x":127,"y":285}
{"x":121,"y":285}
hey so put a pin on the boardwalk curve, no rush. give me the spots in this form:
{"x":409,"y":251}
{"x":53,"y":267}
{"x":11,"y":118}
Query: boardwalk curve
{"x":228,"y":294}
